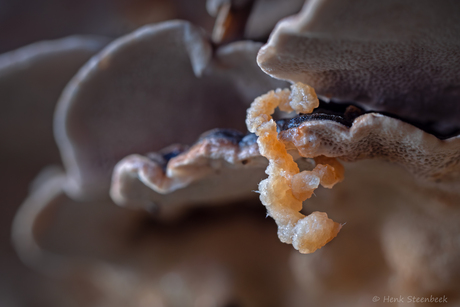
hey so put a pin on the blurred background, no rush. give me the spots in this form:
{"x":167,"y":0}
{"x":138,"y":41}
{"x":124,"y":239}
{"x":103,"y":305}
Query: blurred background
{"x":29,"y":91}
{"x":32,"y":78}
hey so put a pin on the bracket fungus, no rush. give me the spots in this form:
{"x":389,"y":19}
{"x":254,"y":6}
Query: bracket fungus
{"x":147,"y":90}
{"x":170,"y":181}
{"x":395,"y":56}
{"x":386,"y":75}
{"x":116,"y":246}
{"x":178,"y":177}
{"x":82,"y":132}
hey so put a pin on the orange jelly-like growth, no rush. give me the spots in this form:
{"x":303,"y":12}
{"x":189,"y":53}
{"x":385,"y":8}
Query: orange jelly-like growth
{"x":286,"y":187}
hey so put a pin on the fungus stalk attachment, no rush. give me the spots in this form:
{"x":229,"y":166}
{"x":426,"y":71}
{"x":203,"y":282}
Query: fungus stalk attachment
{"x":286,"y":187}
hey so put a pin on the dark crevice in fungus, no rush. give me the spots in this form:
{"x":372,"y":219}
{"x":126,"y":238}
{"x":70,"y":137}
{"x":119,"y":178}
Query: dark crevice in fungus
{"x":343,"y":113}
{"x":163,"y":157}
{"x":234,"y":136}
{"x":346,"y":113}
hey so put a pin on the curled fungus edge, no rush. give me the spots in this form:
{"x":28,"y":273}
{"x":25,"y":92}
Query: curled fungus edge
{"x":286,"y":187}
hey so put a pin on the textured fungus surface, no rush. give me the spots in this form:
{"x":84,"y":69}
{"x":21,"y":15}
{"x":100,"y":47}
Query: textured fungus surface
{"x":393,"y":56}
{"x":377,"y":136}
{"x":159,"y":85}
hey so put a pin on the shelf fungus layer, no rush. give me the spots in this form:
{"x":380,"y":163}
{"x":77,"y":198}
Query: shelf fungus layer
{"x":404,"y":224}
{"x":221,"y":167}
{"x":433,"y":161}
{"x":374,"y":135}
{"x":392,"y":56}
{"x":160,"y":85}
{"x":221,"y":159}
{"x":177,"y":176}
{"x":123,"y":257}
{"x":406,"y":238}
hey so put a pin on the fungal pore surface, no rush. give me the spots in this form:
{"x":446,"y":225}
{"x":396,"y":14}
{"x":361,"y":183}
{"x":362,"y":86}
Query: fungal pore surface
{"x":286,"y":187}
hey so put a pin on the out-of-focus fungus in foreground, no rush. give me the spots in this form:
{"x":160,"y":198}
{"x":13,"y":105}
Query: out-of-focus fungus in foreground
{"x":386,"y":74}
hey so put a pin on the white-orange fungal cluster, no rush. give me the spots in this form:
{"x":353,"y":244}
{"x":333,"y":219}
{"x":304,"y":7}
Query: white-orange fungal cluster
{"x":286,"y":187}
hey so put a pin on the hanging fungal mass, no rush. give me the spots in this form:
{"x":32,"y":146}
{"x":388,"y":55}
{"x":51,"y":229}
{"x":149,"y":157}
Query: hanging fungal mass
{"x":286,"y":187}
